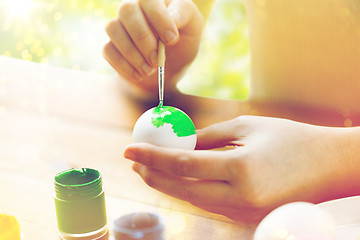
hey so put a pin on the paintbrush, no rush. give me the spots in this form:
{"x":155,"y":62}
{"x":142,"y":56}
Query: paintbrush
{"x":161,"y":71}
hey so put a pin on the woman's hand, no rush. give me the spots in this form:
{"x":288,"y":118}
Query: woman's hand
{"x":132,"y":50}
{"x":274,"y":161}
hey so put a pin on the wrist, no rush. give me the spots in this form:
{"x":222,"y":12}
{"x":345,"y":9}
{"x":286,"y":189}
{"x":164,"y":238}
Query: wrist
{"x":350,"y":148}
{"x":346,"y":158}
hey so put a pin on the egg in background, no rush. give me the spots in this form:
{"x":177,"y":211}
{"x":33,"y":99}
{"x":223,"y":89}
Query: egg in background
{"x":165,"y":126}
{"x":296,"y":221}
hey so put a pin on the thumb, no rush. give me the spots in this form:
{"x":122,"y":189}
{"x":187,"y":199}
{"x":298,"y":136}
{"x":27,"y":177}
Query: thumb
{"x":186,"y":15}
{"x":217,"y":135}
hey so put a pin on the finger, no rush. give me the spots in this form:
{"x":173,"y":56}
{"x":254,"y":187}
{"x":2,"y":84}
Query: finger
{"x":210,"y":165}
{"x":161,"y":20}
{"x":120,"y":38}
{"x":218,"y":135}
{"x":118,"y":62}
{"x":191,"y":190}
{"x":184,"y":12}
{"x":236,"y":213}
{"x":135,"y":24}
{"x":212,"y":196}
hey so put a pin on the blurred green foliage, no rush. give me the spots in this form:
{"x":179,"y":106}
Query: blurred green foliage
{"x":70,"y":33}
{"x":222,"y":67}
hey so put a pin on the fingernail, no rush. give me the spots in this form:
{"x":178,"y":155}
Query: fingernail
{"x":147,"y":69}
{"x":130,"y":155}
{"x":154,"y":58}
{"x":138,"y":76}
{"x":170,"y":37}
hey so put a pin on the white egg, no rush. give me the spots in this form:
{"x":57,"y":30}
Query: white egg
{"x":167,"y":127}
{"x":296,"y":221}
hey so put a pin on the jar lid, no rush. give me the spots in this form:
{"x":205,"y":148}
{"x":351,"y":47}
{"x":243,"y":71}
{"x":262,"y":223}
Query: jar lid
{"x":140,"y":225}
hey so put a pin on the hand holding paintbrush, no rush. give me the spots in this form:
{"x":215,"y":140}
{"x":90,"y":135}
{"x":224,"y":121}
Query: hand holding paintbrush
{"x":133,"y":47}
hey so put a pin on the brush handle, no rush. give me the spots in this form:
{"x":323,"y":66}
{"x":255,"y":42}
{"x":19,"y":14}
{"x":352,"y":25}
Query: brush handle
{"x":161,"y":54}
{"x":161,"y":71}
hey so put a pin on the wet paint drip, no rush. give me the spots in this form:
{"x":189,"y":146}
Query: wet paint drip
{"x":181,"y":123}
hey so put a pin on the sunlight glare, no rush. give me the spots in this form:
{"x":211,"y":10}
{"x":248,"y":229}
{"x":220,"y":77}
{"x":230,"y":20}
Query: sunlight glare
{"x":19,"y":8}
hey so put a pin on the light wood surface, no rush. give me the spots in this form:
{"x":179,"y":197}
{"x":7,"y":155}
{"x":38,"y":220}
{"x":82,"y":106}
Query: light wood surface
{"x":53,"y":119}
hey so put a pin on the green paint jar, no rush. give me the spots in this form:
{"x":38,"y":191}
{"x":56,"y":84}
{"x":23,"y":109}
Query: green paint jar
{"x":80,"y":204}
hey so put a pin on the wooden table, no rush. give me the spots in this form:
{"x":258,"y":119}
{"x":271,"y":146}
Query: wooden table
{"x":53,"y":119}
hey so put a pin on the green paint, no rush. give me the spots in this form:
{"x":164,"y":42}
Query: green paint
{"x":79,"y":201}
{"x":181,"y":123}
{"x":77,"y":177}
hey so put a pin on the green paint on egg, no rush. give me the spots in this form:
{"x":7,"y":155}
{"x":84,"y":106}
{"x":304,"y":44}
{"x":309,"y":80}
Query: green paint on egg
{"x":181,"y":123}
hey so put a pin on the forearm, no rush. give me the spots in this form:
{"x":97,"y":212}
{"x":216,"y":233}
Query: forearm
{"x":343,"y":162}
